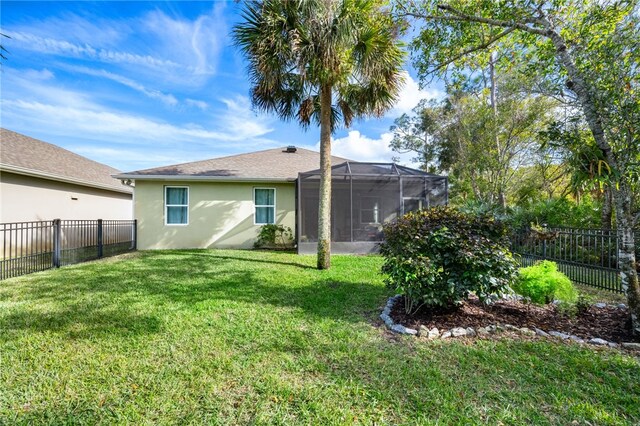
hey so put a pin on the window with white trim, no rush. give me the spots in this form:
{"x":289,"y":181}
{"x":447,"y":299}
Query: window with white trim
{"x":176,"y":205}
{"x":264,"y":200}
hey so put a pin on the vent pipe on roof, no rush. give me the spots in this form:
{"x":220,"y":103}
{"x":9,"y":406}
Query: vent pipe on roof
{"x":291,"y":149}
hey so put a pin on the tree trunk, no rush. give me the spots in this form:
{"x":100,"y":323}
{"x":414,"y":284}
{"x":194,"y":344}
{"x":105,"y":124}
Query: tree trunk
{"x":607,"y":208}
{"x":501,"y":198}
{"x":324,"y":207}
{"x":621,"y":193}
{"x":626,"y":253}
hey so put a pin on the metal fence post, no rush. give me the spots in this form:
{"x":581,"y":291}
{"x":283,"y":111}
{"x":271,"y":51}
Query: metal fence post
{"x":135,"y":234}
{"x":56,"y":243}
{"x":99,"y":237}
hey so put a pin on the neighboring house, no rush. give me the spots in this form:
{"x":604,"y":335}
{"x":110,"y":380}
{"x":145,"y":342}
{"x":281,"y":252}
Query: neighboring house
{"x":223,"y":202}
{"x":41,"y":181}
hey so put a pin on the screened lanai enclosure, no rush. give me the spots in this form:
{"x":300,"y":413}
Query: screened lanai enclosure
{"x":364,"y":197}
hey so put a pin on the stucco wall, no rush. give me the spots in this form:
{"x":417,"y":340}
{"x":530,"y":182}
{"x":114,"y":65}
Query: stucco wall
{"x":27,"y":198}
{"x":221,"y":215}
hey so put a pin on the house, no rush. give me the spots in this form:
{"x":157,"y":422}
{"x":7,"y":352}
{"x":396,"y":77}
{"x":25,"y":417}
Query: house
{"x":223,"y":202}
{"x":41,"y":181}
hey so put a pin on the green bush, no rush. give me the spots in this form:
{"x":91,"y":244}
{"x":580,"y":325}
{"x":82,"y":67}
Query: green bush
{"x":274,"y":236}
{"x":557,"y":212}
{"x":438,"y":256}
{"x":543,"y":283}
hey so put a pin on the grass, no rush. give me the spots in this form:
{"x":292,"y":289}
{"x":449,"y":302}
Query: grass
{"x":241,"y":337}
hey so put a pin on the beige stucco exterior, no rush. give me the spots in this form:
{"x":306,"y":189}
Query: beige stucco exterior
{"x":29,"y":198}
{"x":221,"y":214}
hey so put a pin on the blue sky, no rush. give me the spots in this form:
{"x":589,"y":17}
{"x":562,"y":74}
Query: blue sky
{"x":144,"y":84}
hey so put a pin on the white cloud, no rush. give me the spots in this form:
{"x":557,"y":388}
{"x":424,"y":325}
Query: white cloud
{"x":43,"y":74}
{"x":179,"y":51}
{"x":196,"y":103}
{"x":359,"y":147}
{"x":138,"y":158}
{"x":411,"y":95}
{"x":241,"y":120}
{"x":121,"y":127}
{"x":168,"y":99}
{"x":64,"y":48}
{"x":197,"y":43}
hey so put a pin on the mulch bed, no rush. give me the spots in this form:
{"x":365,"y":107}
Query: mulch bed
{"x":610,"y":323}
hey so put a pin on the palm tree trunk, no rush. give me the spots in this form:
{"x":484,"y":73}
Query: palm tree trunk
{"x":324,"y":207}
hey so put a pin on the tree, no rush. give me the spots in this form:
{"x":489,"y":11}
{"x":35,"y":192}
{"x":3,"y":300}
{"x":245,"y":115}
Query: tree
{"x":478,"y":137}
{"x":327,"y":61}
{"x":585,"y":49}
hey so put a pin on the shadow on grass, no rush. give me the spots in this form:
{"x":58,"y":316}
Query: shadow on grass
{"x":131,"y":296}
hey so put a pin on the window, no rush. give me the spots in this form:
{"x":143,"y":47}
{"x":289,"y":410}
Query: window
{"x":370,"y":210}
{"x":265,"y":202}
{"x":176,"y":205}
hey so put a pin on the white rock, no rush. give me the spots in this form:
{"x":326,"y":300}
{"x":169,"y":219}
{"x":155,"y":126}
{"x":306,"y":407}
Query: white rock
{"x":613,"y":345}
{"x":491,"y":328}
{"x":511,"y":327}
{"x":527,"y":331}
{"x":562,"y":336}
{"x":471,"y":331}
{"x":423,"y":331}
{"x":631,"y":345}
{"x":541,"y":332}
{"x":434,"y":333}
{"x":403,"y":330}
{"x":621,"y":306}
{"x":598,"y":341}
{"x":446,"y":335}
{"x":600,"y":305}
{"x":482,"y":331}
{"x":576,"y":339}
{"x":458,"y":332}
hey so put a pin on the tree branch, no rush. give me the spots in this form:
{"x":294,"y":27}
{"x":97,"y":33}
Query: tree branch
{"x":458,"y":15}
{"x":476,"y":48}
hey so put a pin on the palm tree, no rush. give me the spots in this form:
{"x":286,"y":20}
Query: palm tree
{"x":326,"y":61}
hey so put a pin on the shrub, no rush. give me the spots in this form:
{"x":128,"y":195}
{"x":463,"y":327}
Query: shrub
{"x":438,"y":256}
{"x":274,"y":236}
{"x":543,"y":283}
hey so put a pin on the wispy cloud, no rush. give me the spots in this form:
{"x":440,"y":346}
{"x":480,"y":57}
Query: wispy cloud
{"x":168,"y":99}
{"x":171,"y":47}
{"x":121,"y":128}
{"x":196,"y":103}
{"x":54,"y":46}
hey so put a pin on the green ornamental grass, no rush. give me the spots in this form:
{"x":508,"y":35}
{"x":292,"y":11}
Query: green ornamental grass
{"x":543,"y":283}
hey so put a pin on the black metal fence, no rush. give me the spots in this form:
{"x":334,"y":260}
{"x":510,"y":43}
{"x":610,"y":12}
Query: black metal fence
{"x":28,"y":247}
{"x":586,"y":256}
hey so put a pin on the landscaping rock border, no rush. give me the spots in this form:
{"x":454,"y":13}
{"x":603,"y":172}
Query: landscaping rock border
{"x":435,"y":333}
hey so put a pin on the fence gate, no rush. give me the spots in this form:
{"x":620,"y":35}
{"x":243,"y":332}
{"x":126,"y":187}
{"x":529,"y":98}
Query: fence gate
{"x":35,"y":246}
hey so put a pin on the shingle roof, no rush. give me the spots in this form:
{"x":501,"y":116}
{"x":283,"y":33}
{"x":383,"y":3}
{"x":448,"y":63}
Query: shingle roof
{"x":271,"y":164}
{"x":25,"y":155}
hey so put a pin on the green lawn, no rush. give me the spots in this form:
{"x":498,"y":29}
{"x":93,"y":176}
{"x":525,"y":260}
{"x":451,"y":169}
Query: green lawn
{"x":238,"y":337}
